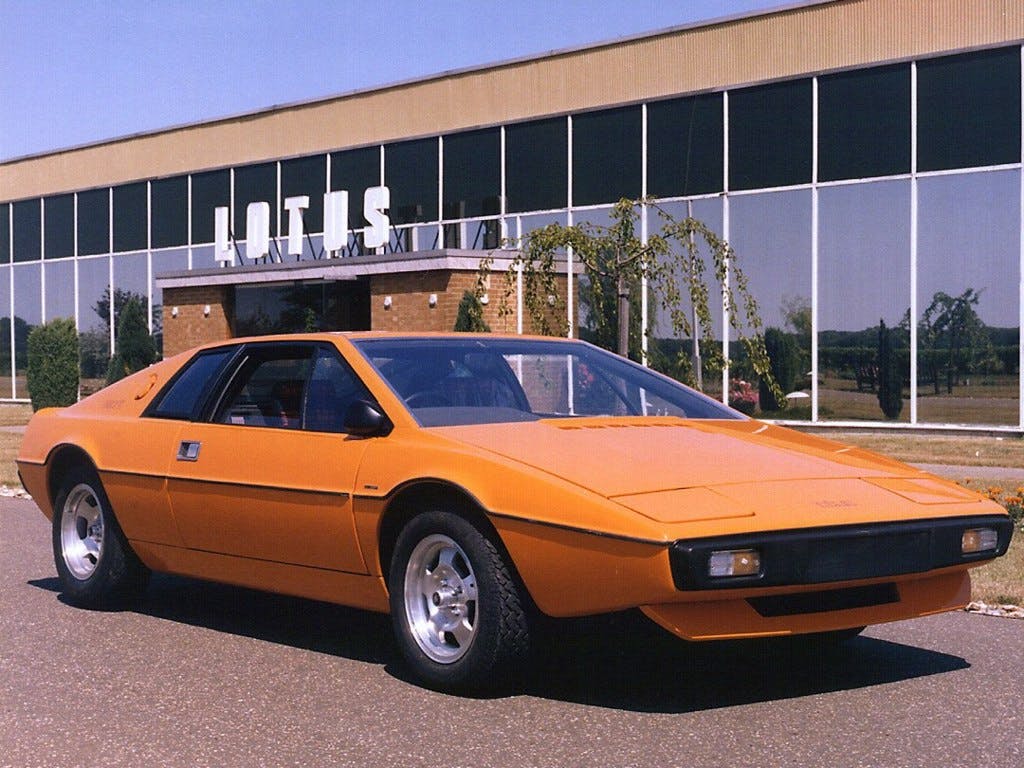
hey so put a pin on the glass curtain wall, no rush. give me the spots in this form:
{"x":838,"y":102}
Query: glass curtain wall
{"x":847,"y":210}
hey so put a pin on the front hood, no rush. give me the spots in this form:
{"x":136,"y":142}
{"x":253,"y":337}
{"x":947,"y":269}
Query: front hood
{"x":627,"y":456}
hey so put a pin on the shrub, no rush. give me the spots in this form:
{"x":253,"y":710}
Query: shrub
{"x":53,"y":364}
{"x":470,"y":317}
{"x":784,"y":357}
{"x":135,"y":347}
{"x":890,"y":381}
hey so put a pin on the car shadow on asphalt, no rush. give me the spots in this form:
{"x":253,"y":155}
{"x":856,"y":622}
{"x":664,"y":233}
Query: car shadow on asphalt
{"x":627,"y":662}
{"x":292,"y":621}
{"x":620,"y":662}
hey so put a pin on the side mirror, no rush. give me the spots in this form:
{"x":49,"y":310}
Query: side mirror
{"x":363,"y":419}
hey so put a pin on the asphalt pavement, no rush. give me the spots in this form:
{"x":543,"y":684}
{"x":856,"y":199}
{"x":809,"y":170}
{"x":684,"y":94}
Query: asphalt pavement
{"x":207,"y":675}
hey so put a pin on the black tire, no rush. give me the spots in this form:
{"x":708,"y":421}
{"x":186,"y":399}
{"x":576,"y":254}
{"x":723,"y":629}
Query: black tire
{"x":96,"y":565}
{"x":459,"y":579}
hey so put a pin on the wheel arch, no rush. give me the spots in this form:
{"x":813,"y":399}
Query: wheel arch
{"x":61,"y":459}
{"x":426,"y":494}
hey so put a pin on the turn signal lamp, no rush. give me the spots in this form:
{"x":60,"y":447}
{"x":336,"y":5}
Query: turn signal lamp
{"x":735,"y":562}
{"x":979,"y":540}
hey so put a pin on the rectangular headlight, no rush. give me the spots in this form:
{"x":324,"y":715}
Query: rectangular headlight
{"x":734,"y":562}
{"x":979,"y":540}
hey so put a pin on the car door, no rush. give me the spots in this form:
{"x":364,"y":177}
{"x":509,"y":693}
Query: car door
{"x":269,"y":473}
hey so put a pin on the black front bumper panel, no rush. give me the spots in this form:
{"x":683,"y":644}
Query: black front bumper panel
{"x":838,"y":553}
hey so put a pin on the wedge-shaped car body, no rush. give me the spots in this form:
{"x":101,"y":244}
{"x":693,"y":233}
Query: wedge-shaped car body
{"x":468,"y":483}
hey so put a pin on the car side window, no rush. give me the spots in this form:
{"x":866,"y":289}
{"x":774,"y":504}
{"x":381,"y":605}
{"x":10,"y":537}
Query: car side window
{"x":188,"y":390}
{"x":268,"y":391}
{"x":333,"y":387}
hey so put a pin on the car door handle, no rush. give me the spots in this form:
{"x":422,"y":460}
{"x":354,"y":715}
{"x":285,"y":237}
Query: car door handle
{"x":188,"y":450}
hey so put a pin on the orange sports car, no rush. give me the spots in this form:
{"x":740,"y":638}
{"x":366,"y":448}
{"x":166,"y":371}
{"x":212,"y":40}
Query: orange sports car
{"x":469,"y":483}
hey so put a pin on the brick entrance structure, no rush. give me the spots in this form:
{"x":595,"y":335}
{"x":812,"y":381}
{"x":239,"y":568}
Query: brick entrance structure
{"x":407,"y":292}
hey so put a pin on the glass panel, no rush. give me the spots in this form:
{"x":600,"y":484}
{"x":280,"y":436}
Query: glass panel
{"x":131,"y":281}
{"x":60,"y":289}
{"x":472,"y":174}
{"x":130,"y":217}
{"x":59,"y":215}
{"x":668,"y":352}
{"x":771,"y":235}
{"x":606,"y":156}
{"x":770,"y":135}
{"x":355,"y":170}
{"x":210,"y":190}
{"x":968,"y":110}
{"x":255,"y":183}
{"x":27,"y":229}
{"x":968,"y":278}
{"x":410,"y":170}
{"x":333,"y":388}
{"x":27,"y":315}
{"x":305,"y":176}
{"x":94,"y":222}
{"x":684,"y":146}
{"x":170,"y":212}
{"x":537,"y":165}
{"x":93,"y":321}
{"x":864,"y":123}
{"x":164,"y":262}
{"x":5,"y":332}
{"x":864,"y":268}
{"x":5,"y":241}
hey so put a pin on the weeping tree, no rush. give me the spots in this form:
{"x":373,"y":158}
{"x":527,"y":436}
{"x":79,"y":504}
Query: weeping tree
{"x":675,"y":262}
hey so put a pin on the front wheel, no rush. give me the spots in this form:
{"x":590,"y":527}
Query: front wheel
{"x":95,"y":564}
{"x":459,"y":616}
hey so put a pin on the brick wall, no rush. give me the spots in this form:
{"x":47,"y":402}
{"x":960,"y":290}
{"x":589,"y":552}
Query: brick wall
{"x":410,"y":308}
{"x":192,"y":327}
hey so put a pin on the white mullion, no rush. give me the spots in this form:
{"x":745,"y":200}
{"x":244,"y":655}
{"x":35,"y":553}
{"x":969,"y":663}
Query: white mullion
{"x":568,"y":221}
{"x":42,"y":254}
{"x":502,"y":199}
{"x":814,"y":250}
{"x":644,"y":309}
{"x":440,"y":192}
{"x":110,"y":263}
{"x":74,"y":219}
{"x":914,"y":222}
{"x":277,"y":234}
{"x":725,"y":236}
{"x":149,"y":251}
{"x":10,"y":296}
{"x":188,"y":214}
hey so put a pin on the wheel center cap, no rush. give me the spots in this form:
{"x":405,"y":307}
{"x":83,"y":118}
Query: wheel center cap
{"x":444,"y":597}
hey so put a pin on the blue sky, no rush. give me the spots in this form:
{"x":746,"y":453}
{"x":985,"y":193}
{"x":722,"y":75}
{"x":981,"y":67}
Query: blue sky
{"x":77,"y":72}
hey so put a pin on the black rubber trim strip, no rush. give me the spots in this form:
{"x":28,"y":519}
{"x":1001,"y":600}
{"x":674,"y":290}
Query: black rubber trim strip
{"x":257,"y":486}
{"x":838,"y":553}
{"x":577,"y":529}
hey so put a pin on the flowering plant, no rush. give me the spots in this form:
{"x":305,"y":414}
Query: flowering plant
{"x":743,"y":397}
{"x":1014,"y":502}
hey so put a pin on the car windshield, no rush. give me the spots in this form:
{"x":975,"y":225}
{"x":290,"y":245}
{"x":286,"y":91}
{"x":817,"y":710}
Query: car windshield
{"x":448,"y":382}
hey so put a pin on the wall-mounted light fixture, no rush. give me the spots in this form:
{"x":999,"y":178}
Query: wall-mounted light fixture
{"x":174,"y":311}
{"x":551,"y":299}
{"x":485,"y":299}
{"x":206,"y":311}
{"x":387,"y":302}
{"x":432,"y":301}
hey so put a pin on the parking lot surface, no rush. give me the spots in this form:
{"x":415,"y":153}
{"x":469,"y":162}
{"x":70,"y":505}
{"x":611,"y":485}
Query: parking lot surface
{"x":207,"y":675}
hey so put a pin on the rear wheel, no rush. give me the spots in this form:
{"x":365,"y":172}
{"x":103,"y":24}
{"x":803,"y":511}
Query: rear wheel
{"x":459,"y":616}
{"x":95,"y":564}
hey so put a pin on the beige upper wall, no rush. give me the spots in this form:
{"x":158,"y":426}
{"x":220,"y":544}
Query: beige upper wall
{"x":799,"y":41}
